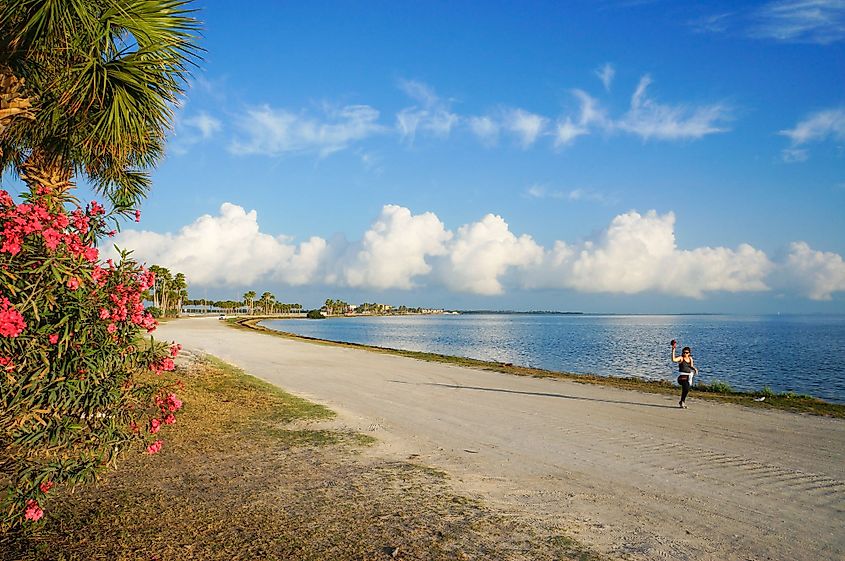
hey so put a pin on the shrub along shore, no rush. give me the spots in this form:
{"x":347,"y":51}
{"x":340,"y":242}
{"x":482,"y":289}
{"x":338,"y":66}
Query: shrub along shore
{"x":717,"y":391}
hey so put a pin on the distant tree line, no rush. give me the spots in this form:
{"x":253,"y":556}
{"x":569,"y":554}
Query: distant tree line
{"x":168,"y":293}
{"x":268,"y":304}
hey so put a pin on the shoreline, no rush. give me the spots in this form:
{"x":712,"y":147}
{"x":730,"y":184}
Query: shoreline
{"x":786,"y":402}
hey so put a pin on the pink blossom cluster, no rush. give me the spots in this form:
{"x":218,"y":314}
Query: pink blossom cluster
{"x":166,"y":364}
{"x":170,"y":403}
{"x":26,"y":219}
{"x":12,"y":323}
{"x":33,"y":511}
{"x":127,"y":302}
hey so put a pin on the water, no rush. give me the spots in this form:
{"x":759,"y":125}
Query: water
{"x":787,"y":353}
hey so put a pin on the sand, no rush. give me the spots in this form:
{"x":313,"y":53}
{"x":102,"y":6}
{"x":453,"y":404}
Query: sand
{"x":625,"y":472}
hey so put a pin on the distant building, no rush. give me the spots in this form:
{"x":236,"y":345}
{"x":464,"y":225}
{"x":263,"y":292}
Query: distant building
{"x":209,"y":309}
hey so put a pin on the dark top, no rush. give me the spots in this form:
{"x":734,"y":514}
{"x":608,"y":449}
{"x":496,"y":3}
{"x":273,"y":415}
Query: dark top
{"x":685,"y":367}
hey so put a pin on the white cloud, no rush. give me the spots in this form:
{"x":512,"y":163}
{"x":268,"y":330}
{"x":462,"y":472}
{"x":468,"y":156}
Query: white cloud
{"x":817,"y":274}
{"x":432,"y":115}
{"x":274,"y":132}
{"x":189,"y":131}
{"x":394,"y":250}
{"x":637,"y":253}
{"x":819,"y":126}
{"x":485,"y":128}
{"x":606,"y":74}
{"x":207,"y":125}
{"x":793,"y":155}
{"x":484,"y":251}
{"x":224,"y":250}
{"x":801,"y":21}
{"x":716,"y":23}
{"x":538,"y":191}
{"x":591,"y":114}
{"x":649,"y":119}
{"x":524,"y":125}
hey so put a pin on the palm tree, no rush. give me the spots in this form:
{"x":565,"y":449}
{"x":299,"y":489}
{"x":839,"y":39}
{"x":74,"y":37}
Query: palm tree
{"x":249,"y":297}
{"x":180,"y":288}
{"x":87,"y":87}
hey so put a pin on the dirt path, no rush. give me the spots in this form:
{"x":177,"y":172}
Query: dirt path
{"x":627,"y":472}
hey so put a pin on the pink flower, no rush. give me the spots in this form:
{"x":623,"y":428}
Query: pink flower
{"x":137,"y":216}
{"x":167,"y":364}
{"x":52,"y":238}
{"x":155,"y":425}
{"x":155,"y":447}
{"x":170,"y":419}
{"x":33,"y":511}
{"x":96,"y":208}
{"x":173,"y":403}
{"x":11,"y":320}
{"x":91,"y":254}
{"x":73,"y":283}
{"x":111,"y":328}
{"x":54,"y":338}
{"x":46,"y":486}
{"x":104,"y":313}
{"x":174,"y":349}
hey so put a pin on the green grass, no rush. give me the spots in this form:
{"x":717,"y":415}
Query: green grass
{"x":715,"y":391}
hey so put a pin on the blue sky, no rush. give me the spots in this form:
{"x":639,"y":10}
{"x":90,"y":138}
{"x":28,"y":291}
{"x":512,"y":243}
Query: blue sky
{"x":604,"y":156}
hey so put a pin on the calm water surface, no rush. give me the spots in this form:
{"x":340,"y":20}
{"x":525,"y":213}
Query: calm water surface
{"x":787,"y":353}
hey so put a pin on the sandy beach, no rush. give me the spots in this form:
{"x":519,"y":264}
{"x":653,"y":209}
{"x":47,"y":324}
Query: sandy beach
{"x":625,"y":472}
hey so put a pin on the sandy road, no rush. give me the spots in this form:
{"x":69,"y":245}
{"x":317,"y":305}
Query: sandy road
{"x":627,"y":472}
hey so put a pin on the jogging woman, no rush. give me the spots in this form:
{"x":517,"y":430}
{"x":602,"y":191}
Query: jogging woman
{"x":687,"y":369}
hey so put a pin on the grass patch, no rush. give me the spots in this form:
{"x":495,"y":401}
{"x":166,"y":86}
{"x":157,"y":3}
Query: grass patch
{"x":716,"y":386}
{"x":574,"y":549}
{"x":240,"y":479}
{"x":716,"y":391}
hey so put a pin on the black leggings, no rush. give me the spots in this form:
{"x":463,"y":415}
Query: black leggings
{"x":683,"y":380}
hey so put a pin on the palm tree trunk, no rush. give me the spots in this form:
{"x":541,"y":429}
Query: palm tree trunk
{"x":41,"y":169}
{"x":13,"y":103}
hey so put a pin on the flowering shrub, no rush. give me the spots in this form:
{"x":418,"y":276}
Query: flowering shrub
{"x":71,"y":353}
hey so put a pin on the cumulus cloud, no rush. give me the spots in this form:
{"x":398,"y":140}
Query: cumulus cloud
{"x":636,"y":253}
{"x":648,"y":119}
{"x":431,"y":115}
{"x":817,"y":274}
{"x":394,"y":250}
{"x":273,"y":132}
{"x":484,"y":251}
{"x":225,"y":250}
